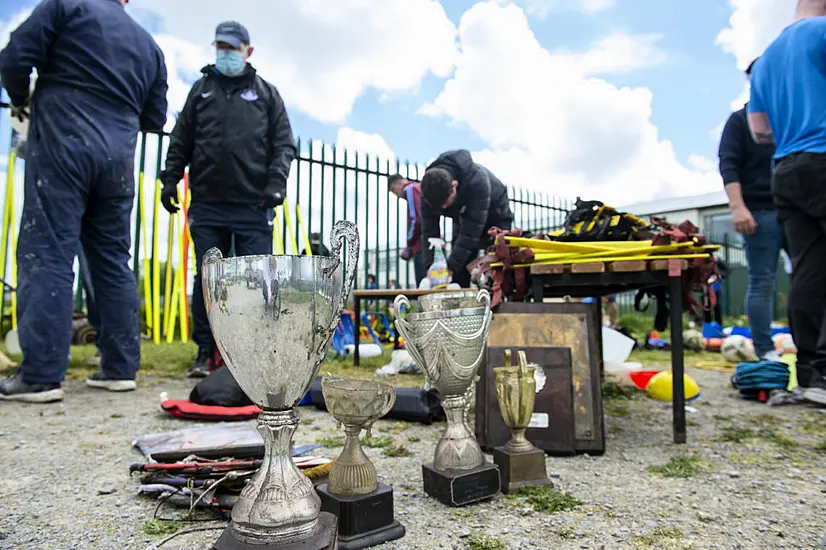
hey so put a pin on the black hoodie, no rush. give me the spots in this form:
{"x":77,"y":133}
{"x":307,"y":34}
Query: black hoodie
{"x":235,"y":135}
{"x":747,"y":162}
{"x":481,"y":203}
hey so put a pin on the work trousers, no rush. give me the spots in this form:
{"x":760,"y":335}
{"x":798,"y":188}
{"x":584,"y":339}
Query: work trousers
{"x":799,"y":191}
{"x":75,"y":197}
{"x":245,"y":228}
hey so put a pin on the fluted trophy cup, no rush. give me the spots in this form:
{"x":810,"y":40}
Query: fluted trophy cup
{"x":273,"y":317}
{"x":447,"y":341}
{"x":363,"y":505}
{"x":520,"y":463}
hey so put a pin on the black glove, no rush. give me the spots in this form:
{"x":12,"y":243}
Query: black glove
{"x":273,"y":196}
{"x":169,"y":198}
{"x":20,"y":112}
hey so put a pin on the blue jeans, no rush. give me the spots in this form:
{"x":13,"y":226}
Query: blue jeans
{"x":762,"y":254}
{"x":419,"y":268}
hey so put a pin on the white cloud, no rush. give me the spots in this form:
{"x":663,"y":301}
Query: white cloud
{"x":542,"y":8}
{"x":550,"y":124}
{"x":753,"y":25}
{"x":321,"y":54}
{"x":371,"y":144}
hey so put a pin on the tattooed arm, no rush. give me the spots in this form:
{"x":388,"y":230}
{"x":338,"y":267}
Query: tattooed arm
{"x":761,"y":131}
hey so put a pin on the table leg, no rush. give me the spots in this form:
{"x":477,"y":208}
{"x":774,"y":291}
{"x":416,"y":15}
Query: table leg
{"x":598,"y":312}
{"x":677,"y":359}
{"x":356,"y":329}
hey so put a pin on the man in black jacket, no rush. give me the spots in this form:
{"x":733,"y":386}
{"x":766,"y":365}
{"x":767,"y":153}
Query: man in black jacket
{"x":101,"y":80}
{"x":235,"y":135}
{"x":746,"y":167}
{"x":456,"y":187}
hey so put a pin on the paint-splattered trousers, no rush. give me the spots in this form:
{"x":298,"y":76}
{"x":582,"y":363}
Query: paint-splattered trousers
{"x":76,"y":197}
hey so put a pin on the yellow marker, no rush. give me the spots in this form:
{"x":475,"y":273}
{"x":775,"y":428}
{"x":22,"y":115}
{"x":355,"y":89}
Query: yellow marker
{"x":156,"y":268}
{"x":13,"y":259}
{"x":277,"y":243}
{"x":168,"y":274}
{"x":8,"y":210}
{"x":289,"y":225}
{"x":147,"y":284}
{"x":303,"y":230}
{"x":182,"y":252}
{"x":170,"y":329}
{"x":581,"y":261}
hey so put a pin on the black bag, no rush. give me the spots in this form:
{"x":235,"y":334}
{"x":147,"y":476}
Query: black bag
{"x":219,"y":389}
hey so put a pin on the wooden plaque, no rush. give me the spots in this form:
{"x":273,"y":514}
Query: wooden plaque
{"x":550,"y":325}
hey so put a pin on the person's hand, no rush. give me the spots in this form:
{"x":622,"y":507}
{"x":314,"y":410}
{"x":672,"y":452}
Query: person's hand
{"x":743,"y":220}
{"x":169,"y":198}
{"x":272,"y":197}
{"x":20,"y":112}
{"x":406,"y":254}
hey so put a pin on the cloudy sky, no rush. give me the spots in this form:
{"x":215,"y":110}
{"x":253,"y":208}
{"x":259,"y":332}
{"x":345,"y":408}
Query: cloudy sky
{"x":614,"y":99}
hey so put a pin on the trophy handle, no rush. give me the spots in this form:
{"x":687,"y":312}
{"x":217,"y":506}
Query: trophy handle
{"x":484,"y":300}
{"x":344,"y":231}
{"x":391,"y":400}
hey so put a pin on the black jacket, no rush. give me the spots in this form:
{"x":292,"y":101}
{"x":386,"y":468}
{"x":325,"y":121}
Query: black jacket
{"x":747,"y":162}
{"x":481,"y":203}
{"x":235,"y":136}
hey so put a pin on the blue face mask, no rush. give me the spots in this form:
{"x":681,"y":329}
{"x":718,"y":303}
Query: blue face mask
{"x":230,"y":62}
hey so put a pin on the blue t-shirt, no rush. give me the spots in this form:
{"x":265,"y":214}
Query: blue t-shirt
{"x":788,"y":83}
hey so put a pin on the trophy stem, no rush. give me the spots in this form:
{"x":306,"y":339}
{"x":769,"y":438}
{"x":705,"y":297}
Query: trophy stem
{"x":279,"y":503}
{"x":518,"y":442}
{"x":352,"y":473}
{"x":457,"y":449}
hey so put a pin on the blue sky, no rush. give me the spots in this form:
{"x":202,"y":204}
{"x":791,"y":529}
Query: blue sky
{"x":692,"y":84}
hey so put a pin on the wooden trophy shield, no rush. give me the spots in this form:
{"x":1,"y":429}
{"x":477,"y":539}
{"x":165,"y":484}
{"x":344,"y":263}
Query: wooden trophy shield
{"x":551,"y":326}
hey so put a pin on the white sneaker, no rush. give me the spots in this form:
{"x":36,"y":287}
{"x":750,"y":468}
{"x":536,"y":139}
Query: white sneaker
{"x":772,"y":356}
{"x":99,"y":380}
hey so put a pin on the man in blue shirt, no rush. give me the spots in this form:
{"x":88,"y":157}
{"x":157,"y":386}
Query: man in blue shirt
{"x":746,"y":169}
{"x":101,"y":80}
{"x":788,"y":108}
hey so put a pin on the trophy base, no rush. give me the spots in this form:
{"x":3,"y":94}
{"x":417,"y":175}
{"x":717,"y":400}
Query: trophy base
{"x":363,"y":520}
{"x":518,"y":470}
{"x":323,"y":538}
{"x":461,"y":487}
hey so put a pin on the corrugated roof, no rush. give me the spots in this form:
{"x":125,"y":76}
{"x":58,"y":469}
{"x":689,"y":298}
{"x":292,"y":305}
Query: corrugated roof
{"x":708,"y":200}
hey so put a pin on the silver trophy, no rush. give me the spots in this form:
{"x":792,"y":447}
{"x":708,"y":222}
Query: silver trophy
{"x":273,"y":318}
{"x":447,"y":341}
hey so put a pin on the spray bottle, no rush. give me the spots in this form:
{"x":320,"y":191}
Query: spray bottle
{"x":438,"y":273}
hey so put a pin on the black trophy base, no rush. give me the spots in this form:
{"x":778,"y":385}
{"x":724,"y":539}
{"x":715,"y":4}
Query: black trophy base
{"x":323,"y":538}
{"x":519,"y":470}
{"x":364,"y":520}
{"x":461,"y":487}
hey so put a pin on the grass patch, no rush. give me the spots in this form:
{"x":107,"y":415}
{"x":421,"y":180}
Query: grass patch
{"x":616,"y":409}
{"x":814,"y":424}
{"x":821,"y":446}
{"x":778,"y":439}
{"x":377,"y":442}
{"x":547,"y":500}
{"x":413,"y":439}
{"x":485,"y":542}
{"x":764,"y":420}
{"x":156,"y":527}
{"x":681,"y":466}
{"x":612,"y":390}
{"x":397,"y":450}
{"x":656,"y":539}
{"x":566,"y":533}
{"x":734,"y":434}
{"x":747,"y":459}
{"x":331,"y":442}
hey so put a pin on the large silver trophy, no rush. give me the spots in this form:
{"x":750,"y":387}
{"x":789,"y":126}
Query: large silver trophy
{"x":273,"y":318}
{"x":447,"y":340}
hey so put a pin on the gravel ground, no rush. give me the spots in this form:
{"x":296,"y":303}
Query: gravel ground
{"x":761,"y":481}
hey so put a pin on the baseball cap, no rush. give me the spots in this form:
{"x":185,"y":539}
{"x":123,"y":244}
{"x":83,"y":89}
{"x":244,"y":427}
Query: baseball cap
{"x":233,"y":33}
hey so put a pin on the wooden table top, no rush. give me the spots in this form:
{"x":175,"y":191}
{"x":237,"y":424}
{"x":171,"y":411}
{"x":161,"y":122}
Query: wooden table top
{"x":392,"y":293}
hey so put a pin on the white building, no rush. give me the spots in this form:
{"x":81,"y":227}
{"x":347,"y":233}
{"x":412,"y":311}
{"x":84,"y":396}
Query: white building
{"x":709,"y":212}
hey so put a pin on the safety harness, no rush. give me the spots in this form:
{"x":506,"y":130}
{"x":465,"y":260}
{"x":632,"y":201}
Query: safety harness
{"x":596,"y":221}
{"x":507,"y":281}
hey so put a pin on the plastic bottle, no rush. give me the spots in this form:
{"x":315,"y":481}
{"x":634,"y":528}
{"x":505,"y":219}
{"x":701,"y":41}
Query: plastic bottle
{"x":437,"y":273}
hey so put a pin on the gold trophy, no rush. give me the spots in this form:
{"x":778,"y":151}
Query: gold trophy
{"x":520,"y":463}
{"x":353,"y":493}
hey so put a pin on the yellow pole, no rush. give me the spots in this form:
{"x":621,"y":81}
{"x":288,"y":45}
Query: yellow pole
{"x":289,"y":224}
{"x":168,"y":274}
{"x":170,"y":329}
{"x":156,"y":268}
{"x":303,"y":230}
{"x":8,"y":209}
{"x":13,"y":237}
{"x":147,"y":284}
{"x":181,"y":287}
{"x":279,"y":244}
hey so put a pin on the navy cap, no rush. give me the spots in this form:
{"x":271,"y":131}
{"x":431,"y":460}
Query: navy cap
{"x":233,"y":33}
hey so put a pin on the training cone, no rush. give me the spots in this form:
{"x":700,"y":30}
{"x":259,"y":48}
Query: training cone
{"x":660,"y":386}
